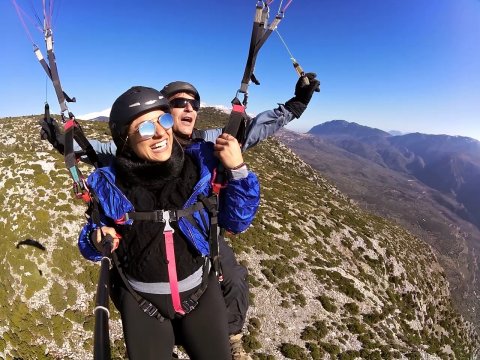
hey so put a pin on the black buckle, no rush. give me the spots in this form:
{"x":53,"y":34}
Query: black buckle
{"x":173,"y":215}
{"x":148,"y":308}
{"x":189,"y":305}
{"x":158,"y":216}
{"x":79,"y":188}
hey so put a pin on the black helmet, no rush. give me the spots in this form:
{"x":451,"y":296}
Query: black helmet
{"x":180,"y":86}
{"x":131,"y":104}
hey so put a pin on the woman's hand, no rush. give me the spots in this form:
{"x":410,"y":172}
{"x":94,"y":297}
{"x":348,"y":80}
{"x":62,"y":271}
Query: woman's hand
{"x":106,"y":230}
{"x":227,"y":149}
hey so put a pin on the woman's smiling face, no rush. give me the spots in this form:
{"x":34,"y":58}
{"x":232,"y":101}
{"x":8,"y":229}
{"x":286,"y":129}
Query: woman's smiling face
{"x":157,"y":148}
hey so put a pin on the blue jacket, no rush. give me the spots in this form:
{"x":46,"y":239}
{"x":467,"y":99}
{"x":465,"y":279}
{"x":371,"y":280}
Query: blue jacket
{"x":238,"y":202}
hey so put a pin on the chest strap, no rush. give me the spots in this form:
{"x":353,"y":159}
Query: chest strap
{"x":166,"y":216}
{"x":172,"y":266}
{"x":211,"y":205}
{"x":159,"y":215}
{"x":147,"y":307}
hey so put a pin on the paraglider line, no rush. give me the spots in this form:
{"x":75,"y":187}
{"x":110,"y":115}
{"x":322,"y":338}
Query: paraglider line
{"x":285,"y":44}
{"x":46,"y":89}
{"x":20,"y":14}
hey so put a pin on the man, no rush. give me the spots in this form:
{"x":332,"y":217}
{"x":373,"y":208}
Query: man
{"x":184,"y":102}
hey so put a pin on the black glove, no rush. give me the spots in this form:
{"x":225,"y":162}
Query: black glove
{"x":51,"y":131}
{"x":104,"y":247}
{"x":303,"y":94}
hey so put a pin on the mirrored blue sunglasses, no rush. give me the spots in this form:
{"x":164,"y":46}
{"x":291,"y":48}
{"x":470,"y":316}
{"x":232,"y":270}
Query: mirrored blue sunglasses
{"x":146,"y":129}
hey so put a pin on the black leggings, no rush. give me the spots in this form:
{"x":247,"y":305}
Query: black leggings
{"x":234,"y":288}
{"x":203,"y":333}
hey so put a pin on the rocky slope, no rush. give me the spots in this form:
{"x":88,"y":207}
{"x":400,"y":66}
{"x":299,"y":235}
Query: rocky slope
{"x":419,"y":181}
{"x":328,"y":280}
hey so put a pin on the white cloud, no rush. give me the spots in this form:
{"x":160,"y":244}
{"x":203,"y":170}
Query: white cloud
{"x":106,"y":112}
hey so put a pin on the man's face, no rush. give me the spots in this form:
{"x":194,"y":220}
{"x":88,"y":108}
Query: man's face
{"x":184,"y":116}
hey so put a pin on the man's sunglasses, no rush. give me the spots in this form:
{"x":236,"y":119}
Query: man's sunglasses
{"x":146,"y":129}
{"x":182,"y":102}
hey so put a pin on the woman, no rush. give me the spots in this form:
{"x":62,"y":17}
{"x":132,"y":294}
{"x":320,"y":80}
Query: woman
{"x":154,"y":200}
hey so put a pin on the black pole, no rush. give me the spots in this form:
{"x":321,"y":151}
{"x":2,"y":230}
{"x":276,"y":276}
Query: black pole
{"x":101,"y":339}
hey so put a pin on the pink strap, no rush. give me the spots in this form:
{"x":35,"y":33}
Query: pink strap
{"x":172,"y":272}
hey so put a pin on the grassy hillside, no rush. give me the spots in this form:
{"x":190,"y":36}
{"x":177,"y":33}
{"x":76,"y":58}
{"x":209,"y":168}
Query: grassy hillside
{"x":327,"y":279}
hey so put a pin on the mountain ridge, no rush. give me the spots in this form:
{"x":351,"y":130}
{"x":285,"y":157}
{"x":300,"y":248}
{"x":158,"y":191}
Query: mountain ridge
{"x":450,"y":164}
{"x":409,"y":182}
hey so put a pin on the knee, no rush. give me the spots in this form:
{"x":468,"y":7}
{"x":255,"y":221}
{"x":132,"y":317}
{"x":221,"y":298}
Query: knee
{"x":235,"y":275}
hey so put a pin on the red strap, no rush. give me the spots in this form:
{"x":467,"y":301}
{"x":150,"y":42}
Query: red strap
{"x":238,"y":108}
{"x":70,"y":123}
{"x":216,"y":187}
{"x":172,"y":272}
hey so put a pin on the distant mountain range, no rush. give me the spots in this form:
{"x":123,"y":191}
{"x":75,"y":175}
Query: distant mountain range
{"x":428,"y":183}
{"x":100,"y":118}
{"x":449,"y":164}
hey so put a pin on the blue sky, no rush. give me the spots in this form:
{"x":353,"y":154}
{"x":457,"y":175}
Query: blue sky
{"x":407,"y":65}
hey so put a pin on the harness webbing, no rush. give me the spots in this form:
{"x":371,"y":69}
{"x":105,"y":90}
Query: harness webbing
{"x":238,"y":119}
{"x":146,"y":306}
{"x":72,"y":128}
{"x":212,"y":208}
{"x":54,"y":71}
{"x":158,"y":215}
{"x":73,"y":131}
{"x":210,"y":204}
{"x":237,"y":122}
{"x":261,"y":15}
{"x":47,"y":70}
{"x":172,"y":270}
{"x":260,"y":33}
{"x":187,"y":305}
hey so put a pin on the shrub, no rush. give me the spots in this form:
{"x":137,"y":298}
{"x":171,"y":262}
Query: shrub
{"x":349,"y":355}
{"x":327,"y":303}
{"x":352,"y":308}
{"x":277,"y":269}
{"x":292,"y":351}
{"x":300,"y":300}
{"x":373,"y":317}
{"x":355,"y":326}
{"x":251,"y":343}
{"x":316,"y":332}
{"x":315,"y":351}
{"x":332,"y":349}
{"x":413,"y":355}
